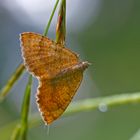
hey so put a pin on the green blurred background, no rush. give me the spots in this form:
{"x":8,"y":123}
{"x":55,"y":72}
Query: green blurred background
{"x":104,"y":32}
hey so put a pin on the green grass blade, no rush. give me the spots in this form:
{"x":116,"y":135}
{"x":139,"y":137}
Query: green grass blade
{"x":15,"y":76}
{"x":49,"y":22}
{"x":16,"y":132}
{"x":61,"y":24}
{"x":25,"y":110}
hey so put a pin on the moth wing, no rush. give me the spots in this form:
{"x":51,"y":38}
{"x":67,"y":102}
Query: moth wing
{"x":54,"y":95}
{"x":43,"y":57}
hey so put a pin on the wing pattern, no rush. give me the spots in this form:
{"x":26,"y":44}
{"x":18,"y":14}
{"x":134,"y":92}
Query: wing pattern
{"x":58,"y":70}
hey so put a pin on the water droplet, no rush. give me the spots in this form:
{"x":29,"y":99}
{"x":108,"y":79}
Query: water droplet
{"x":103,"y":107}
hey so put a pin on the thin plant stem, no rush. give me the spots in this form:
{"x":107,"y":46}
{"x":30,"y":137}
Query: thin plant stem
{"x":25,"y":110}
{"x":61,"y":24}
{"x":101,"y":103}
{"x":21,"y":129}
{"x":11,"y":81}
{"x":16,"y":132}
{"x":50,"y":19}
{"x":88,"y":105}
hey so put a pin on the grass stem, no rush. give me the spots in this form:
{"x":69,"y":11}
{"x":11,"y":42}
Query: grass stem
{"x":50,"y":19}
{"x":15,"y":76}
{"x":25,"y":110}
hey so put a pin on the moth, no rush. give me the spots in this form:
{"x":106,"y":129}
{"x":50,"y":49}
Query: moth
{"x":58,"y":70}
